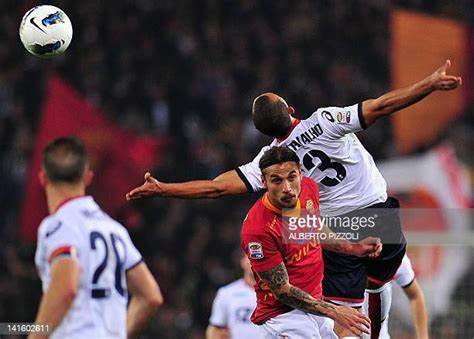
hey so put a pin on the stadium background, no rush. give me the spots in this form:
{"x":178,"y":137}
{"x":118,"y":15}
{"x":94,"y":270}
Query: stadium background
{"x":184,"y":74}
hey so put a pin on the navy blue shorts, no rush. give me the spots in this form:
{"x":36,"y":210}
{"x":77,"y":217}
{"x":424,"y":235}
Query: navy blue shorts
{"x":346,"y":276}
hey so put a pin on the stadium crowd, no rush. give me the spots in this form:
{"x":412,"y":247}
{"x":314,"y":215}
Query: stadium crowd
{"x":186,"y":72}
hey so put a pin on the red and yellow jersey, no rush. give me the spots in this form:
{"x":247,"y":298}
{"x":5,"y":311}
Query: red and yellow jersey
{"x":263,"y":241}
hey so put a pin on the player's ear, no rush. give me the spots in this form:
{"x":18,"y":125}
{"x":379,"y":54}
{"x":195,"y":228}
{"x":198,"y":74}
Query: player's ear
{"x":264,"y":181}
{"x":88,"y":176}
{"x":291,"y":110}
{"x":42,"y":178}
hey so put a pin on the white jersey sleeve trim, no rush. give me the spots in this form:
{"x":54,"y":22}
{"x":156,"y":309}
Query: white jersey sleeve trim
{"x":250,"y":173}
{"x":139,"y":261}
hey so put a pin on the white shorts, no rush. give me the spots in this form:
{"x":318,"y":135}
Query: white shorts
{"x":299,"y":325}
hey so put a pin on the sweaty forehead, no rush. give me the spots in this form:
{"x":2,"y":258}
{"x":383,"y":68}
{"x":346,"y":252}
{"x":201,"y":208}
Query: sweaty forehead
{"x":281,"y":170}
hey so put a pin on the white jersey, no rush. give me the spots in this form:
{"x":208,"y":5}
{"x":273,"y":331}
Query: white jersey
{"x":232,"y":308}
{"x":104,"y":252}
{"x":333,"y":156}
{"x":405,"y":274}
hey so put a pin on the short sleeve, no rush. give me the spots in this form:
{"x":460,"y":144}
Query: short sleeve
{"x":219,"y":314}
{"x":58,"y":239}
{"x":405,"y":274}
{"x":262,"y":250}
{"x":133,"y":257}
{"x":250,"y":173}
{"x":338,"y":121}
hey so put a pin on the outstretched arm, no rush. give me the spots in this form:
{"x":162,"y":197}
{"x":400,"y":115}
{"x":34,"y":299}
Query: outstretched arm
{"x":396,"y":100}
{"x":228,"y":183}
{"x":278,"y":282}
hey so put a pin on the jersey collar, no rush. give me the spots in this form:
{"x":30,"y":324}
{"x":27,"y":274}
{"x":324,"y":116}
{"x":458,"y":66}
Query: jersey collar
{"x":64,"y":202}
{"x":293,"y":125}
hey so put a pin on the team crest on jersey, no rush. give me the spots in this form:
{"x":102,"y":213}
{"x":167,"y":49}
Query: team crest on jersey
{"x":310,"y":207}
{"x":255,"y":250}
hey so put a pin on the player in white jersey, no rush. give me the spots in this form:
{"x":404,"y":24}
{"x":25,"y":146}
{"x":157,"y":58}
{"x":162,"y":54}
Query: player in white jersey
{"x":405,"y":278}
{"x":349,"y":181}
{"x":232,"y":308}
{"x":86,"y":260}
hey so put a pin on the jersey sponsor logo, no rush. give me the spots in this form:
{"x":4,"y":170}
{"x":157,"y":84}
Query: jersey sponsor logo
{"x":54,"y":229}
{"x":327,"y":115}
{"x":302,"y":252}
{"x":306,"y":137}
{"x":255,"y":250}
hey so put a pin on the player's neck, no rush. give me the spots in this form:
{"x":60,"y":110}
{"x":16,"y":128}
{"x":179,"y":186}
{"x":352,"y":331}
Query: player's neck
{"x":294,"y":122}
{"x":57,"y":194}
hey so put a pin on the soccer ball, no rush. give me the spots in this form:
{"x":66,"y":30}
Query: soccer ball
{"x":45,"y":31}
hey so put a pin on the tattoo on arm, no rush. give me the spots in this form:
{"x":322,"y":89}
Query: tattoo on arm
{"x":278,"y":282}
{"x":276,"y":277}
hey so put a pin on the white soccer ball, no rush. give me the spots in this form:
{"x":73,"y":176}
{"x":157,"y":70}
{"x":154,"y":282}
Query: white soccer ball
{"x":45,"y":31}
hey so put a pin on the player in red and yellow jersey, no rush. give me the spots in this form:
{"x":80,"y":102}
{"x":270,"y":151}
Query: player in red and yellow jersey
{"x":288,"y":272}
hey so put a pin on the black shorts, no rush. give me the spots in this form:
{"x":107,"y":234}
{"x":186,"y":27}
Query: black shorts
{"x":345,"y":276}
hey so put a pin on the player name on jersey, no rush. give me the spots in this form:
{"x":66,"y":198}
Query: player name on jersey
{"x":306,"y":137}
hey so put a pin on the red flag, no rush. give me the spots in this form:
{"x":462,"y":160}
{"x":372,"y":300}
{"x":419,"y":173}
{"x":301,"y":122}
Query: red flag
{"x":118,"y":157}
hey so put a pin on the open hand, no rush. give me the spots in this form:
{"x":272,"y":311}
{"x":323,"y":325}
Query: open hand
{"x":150,"y":187}
{"x":352,"y":320}
{"x":441,"y":81}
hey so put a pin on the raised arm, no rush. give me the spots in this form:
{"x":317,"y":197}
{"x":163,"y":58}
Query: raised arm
{"x":396,"y":100}
{"x":228,"y":183}
{"x":278,"y":282}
